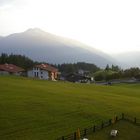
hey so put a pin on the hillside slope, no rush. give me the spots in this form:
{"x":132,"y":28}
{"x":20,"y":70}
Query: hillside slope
{"x":43,"y":46}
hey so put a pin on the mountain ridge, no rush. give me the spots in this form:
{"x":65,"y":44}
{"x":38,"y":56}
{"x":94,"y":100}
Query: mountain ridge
{"x":44,"y":46}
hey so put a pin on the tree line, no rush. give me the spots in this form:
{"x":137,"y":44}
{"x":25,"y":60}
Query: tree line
{"x":74,"y":68}
{"x":27,"y":63}
{"x":18,"y":60}
{"x":115,"y":72}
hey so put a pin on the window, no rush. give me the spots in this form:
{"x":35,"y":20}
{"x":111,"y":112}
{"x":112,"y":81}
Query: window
{"x":37,"y":74}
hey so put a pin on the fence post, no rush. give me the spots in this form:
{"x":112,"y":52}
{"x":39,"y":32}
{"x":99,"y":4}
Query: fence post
{"x":85,"y":132}
{"x":122,"y":116}
{"x":102,"y":125}
{"x":74,"y":135}
{"x":94,"y":127}
{"x":135,"y":120}
{"x":116,"y":118}
{"x":63,"y":138}
{"x":109,"y":121}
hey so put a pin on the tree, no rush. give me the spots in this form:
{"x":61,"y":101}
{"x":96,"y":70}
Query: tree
{"x":73,"y":68}
{"x":19,"y":60}
{"x":3,"y":58}
{"x":115,"y":68}
{"x":107,"y":67}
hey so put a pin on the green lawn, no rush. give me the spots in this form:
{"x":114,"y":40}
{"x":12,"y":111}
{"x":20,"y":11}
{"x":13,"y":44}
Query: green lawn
{"x":38,"y":110}
{"x":127,"y":131}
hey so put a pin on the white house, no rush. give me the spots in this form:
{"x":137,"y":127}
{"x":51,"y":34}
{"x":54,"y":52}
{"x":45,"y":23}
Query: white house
{"x":43,"y":71}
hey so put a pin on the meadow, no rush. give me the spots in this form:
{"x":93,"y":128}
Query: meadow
{"x":33,"y":109}
{"x":126,"y":131}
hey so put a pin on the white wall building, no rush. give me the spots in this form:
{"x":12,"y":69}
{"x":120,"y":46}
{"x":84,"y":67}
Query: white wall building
{"x":43,"y":71}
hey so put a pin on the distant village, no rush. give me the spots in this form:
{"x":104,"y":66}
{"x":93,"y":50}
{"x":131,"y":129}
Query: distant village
{"x":45,"y":72}
{"x":78,"y":73}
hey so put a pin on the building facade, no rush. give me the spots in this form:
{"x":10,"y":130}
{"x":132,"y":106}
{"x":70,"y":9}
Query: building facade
{"x":43,"y":71}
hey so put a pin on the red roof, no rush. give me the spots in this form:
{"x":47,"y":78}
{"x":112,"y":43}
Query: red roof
{"x":10,"y":68}
{"x":47,"y":67}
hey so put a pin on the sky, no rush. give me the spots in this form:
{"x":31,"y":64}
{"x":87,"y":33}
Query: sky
{"x":112,"y":26}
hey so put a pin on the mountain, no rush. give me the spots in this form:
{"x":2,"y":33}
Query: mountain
{"x":43,"y":46}
{"x":1,"y":37}
{"x":128,"y":59}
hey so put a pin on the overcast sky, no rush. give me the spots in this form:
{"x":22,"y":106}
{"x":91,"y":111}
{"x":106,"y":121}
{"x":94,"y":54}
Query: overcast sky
{"x":110,"y":25}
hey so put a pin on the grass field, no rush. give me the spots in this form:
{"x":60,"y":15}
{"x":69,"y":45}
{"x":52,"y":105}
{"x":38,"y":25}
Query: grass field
{"x":127,"y":131}
{"x":38,"y":110}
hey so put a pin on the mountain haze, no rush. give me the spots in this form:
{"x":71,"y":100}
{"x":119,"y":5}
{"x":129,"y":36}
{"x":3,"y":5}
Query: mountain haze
{"x":128,"y":59}
{"x":43,"y":46}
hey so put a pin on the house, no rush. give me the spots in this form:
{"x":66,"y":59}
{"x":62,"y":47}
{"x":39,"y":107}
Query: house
{"x":79,"y":78}
{"x":6,"y":69}
{"x":43,"y":71}
{"x":83,"y":72}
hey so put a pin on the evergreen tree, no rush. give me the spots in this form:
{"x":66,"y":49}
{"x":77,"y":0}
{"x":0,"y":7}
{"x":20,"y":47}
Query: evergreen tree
{"x":19,"y":60}
{"x":107,"y":67}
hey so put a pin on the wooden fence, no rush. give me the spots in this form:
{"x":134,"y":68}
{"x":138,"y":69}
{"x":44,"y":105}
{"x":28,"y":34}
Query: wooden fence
{"x":94,"y":128}
{"x":131,"y":119}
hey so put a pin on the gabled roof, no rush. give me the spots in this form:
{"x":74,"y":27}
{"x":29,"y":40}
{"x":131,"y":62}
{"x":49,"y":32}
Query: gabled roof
{"x":46,"y":67}
{"x":10,"y":68}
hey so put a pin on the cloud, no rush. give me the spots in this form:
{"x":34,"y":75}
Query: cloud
{"x":5,"y":2}
{"x":8,"y":4}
